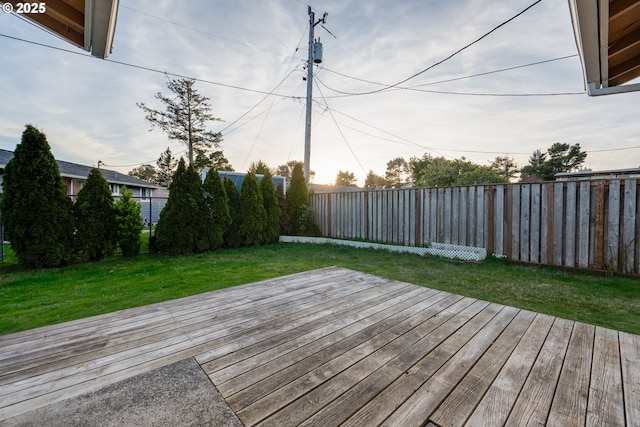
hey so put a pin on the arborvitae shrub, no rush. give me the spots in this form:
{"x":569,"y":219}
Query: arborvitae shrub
{"x":272,"y":209}
{"x":251,"y":214}
{"x":299,"y":211}
{"x":185,"y":224}
{"x":35,"y":209}
{"x":96,"y":227}
{"x":218,"y":203}
{"x":129,"y":223}
{"x":232,"y":238}
{"x":285,"y":222}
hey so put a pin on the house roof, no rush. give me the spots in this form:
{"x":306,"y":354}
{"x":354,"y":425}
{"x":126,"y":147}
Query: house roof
{"x":601,"y":174}
{"x":88,"y":24}
{"x":608,"y":39}
{"x":74,"y":170}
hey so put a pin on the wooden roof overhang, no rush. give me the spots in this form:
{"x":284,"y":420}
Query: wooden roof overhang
{"x":89,"y":24}
{"x":608,"y":39}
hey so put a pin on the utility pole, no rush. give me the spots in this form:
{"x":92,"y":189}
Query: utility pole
{"x":317,"y":58}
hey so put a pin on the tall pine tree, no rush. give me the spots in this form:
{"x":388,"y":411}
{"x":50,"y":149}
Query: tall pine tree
{"x":35,"y":208}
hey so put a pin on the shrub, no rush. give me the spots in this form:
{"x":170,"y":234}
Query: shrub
{"x":232,"y":238}
{"x":272,"y":209}
{"x":218,"y":203}
{"x":36,"y":211}
{"x":300,"y":213}
{"x":285,"y":223}
{"x":251,"y":213}
{"x":129,"y":224}
{"x":185,"y":224}
{"x":96,"y":227}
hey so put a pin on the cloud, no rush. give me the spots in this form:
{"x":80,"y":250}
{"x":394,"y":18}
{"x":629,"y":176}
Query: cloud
{"x":88,"y":106}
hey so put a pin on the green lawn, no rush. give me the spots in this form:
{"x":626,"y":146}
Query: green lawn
{"x":34,"y":298}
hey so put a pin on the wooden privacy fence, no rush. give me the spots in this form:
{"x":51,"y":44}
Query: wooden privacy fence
{"x":586,"y":224}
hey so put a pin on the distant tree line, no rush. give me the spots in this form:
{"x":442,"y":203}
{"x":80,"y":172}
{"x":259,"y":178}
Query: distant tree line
{"x":430,"y":171}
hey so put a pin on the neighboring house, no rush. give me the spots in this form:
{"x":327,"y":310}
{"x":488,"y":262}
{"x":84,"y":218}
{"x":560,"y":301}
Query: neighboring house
{"x":74,"y":176}
{"x":331,"y":188}
{"x":238,"y":177}
{"x":588,"y":174}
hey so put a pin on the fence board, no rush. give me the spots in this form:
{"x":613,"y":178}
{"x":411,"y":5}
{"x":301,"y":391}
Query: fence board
{"x":629,"y":227}
{"x":480,"y":210}
{"x":515,"y":224}
{"x":545,"y":222}
{"x":583,"y":225}
{"x":471,"y":221}
{"x":570,"y":226}
{"x":558,"y":216}
{"x":600,"y":222}
{"x":525,"y":221}
{"x":447,"y":215}
{"x":534,"y":218}
{"x":455,"y":211}
{"x":499,"y":220}
{"x":613,"y":226}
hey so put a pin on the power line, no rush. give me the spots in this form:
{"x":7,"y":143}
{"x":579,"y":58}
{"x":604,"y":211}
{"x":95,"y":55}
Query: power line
{"x":531,"y":64}
{"x":448,"y":57}
{"x":448,"y":92}
{"x":340,"y":131}
{"x":150,"y":69}
{"x":178,"y":24}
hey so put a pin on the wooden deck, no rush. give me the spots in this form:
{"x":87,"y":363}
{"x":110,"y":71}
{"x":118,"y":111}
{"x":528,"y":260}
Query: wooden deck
{"x":339,"y":347}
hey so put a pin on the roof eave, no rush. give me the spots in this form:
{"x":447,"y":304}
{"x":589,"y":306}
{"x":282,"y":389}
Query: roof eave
{"x":100,"y":26}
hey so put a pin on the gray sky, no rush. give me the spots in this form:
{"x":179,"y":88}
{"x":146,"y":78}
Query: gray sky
{"x":87,"y":107}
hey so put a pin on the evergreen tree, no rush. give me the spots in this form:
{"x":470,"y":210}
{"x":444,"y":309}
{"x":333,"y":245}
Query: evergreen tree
{"x":285,"y":222}
{"x":218,"y":203}
{"x":96,"y":227}
{"x":166,"y":165}
{"x":260,"y":168}
{"x":252,"y":216}
{"x":398,"y":172}
{"x":560,"y":157}
{"x":300,"y":213}
{"x":373,"y":181}
{"x":144,"y":172}
{"x":231,"y":238}
{"x":346,"y":178}
{"x":505,"y":167}
{"x":129,"y":223}
{"x":36,"y":211}
{"x":185,"y":117}
{"x":272,"y":209}
{"x":185,"y":224}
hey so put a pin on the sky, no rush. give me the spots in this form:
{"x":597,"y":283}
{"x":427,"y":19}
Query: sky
{"x":240,"y":51}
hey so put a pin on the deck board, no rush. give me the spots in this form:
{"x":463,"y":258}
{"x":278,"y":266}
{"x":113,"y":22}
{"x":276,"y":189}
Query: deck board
{"x":339,"y":347}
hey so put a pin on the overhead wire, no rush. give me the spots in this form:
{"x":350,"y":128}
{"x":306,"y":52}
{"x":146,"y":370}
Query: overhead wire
{"x":340,"y":131}
{"x":391,"y":86}
{"x":531,"y":64}
{"x":178,"y":24}
{"x":150,"y":69}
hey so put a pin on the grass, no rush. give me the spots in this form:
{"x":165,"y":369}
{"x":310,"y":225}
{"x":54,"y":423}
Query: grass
{"x":33,"y":298}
